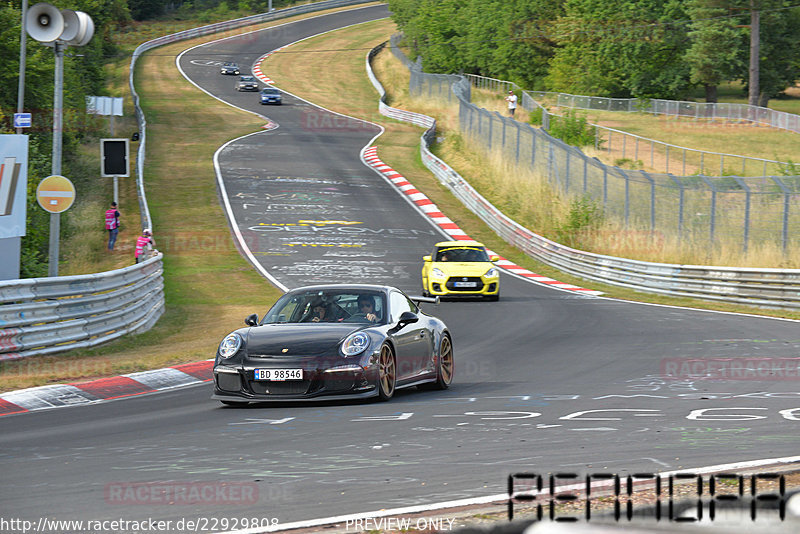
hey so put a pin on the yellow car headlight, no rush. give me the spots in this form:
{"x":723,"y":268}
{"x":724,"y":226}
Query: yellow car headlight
{"x":492,"y":273}
{"x":437,"y":273}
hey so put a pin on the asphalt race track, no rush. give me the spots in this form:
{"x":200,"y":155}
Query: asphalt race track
{"x":546,"y":380}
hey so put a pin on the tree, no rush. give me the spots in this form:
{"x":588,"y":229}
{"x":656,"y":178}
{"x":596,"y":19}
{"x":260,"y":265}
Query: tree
{"x":713,"y":55}
{"x":621,"y":48}
{"x":779,"y":56}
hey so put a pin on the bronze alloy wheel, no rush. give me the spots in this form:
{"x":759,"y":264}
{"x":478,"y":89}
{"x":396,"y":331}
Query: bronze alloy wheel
{"x":445,"y":368}
{"x":446,"y":363}
{"x":387,"y":374}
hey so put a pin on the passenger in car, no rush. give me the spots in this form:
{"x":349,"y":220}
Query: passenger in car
{"x":319,"y":312}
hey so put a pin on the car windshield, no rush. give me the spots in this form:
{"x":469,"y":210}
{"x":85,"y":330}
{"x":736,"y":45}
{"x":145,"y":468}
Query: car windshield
{"x":270,"y":92}
{"x":247,"y":79}
{"x":328,"y":306}
{"x":462,"y":254}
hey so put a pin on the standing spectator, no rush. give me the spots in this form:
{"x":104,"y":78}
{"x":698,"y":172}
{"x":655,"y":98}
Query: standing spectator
{"x":512,"y":103}
{"x":112,"y":225}
{"x":143,"y":245}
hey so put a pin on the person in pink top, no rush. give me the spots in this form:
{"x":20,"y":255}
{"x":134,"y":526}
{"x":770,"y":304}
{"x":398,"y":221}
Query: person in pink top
{"x":144,"y":241}
{"x":112,"y":225}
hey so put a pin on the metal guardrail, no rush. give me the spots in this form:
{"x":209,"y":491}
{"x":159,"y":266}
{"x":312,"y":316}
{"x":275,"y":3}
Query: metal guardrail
{"x":771,"y":288}
{"x":48,"y":315}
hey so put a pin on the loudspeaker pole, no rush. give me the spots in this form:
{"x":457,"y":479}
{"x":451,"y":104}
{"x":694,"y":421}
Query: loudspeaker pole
{"x":57,"y":28}
{"x":58,"y":120}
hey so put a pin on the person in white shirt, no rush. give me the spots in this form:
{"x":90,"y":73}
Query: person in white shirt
{"x":512,"y":102}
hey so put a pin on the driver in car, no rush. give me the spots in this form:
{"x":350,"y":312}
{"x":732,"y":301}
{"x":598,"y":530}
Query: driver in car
{"x":366,"y":306}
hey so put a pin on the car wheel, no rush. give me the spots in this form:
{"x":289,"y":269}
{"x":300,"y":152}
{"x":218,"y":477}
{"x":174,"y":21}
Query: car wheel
{"x":494,"y":298}
{"x":387,"y":373}
{"x":444,"y":371}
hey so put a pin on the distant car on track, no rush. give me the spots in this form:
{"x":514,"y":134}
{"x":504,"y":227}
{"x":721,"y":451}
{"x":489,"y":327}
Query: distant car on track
{"x":247,"y":83}
{"x":229,"y":68}
{"x":270,"y":95}
{"x":334,"y":341}
{"x":460,"y":268}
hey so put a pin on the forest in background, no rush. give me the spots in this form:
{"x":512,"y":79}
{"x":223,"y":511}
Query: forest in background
{"x":612,"y":48}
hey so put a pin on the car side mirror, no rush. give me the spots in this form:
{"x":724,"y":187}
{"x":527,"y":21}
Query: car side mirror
{"x":426,"y":258}
{"x":494,"y":258}
{"x":407,"y":317}
{"x":251,"y":320}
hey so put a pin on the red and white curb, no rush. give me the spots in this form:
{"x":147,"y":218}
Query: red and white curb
{"x":105,"y":389}
{"x":257,"y":66}
{"x":370,"y":155}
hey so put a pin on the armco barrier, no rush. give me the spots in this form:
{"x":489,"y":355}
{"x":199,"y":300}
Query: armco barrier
{"x":48,"y":315}
{"x":771,"y":288}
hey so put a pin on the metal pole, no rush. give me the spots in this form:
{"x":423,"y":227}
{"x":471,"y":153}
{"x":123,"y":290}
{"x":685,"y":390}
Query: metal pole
{"x":116,"y":178}
{"x":58,"y":99}
{"x":23,"y":47}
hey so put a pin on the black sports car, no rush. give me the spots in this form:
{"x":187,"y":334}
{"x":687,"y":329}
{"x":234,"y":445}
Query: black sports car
{"x":347,"y":341}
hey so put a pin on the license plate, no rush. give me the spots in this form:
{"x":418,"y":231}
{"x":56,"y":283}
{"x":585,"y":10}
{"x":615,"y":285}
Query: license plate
{"x":466,"y":284}
{"x":279,"y":375}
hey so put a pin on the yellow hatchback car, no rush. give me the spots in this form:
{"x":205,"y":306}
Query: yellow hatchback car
{"x":460,"y":268}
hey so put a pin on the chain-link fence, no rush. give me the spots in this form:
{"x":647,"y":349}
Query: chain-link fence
{"x":640,"y":151}
{"x":676,"y":108}
{"x":696,"y":208}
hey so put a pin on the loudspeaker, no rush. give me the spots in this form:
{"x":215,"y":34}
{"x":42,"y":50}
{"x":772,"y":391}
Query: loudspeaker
{"x":44,"y":22}
{"x":84,"y":32}
{"x":71,"y":25}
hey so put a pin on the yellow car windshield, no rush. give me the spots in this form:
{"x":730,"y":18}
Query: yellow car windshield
{"x":462,"y":254}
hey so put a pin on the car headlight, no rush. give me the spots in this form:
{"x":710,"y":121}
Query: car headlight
{"x":492,"y":273}
{"x":355,"y":344}
{"x":230,"y":345}
{"x":436,"y":272}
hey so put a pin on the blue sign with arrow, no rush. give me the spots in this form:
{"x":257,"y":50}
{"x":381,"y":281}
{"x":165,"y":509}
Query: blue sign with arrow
{"x":22,"y":120}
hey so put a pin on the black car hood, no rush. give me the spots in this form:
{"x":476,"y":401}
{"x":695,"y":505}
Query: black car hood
{"x":313,"y":339}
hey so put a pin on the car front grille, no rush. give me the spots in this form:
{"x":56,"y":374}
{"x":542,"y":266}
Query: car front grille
{"x":476,"y":281}
{"x":289,"y":387}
